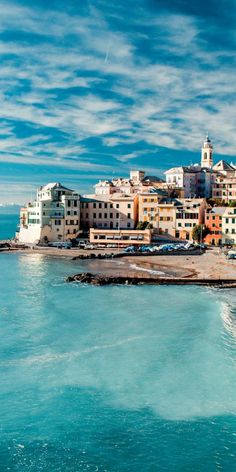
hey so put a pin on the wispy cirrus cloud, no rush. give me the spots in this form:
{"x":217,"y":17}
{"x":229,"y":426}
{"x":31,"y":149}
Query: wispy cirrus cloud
{"x":96,"y":87}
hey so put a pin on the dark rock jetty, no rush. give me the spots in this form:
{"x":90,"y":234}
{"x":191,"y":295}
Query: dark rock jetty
{"x":100,"y":279}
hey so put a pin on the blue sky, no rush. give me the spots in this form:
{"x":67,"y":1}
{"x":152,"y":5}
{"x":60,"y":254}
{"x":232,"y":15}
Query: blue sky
{"x":92,"y":88}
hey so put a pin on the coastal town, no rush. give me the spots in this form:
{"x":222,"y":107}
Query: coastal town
{"x":195,"y":202}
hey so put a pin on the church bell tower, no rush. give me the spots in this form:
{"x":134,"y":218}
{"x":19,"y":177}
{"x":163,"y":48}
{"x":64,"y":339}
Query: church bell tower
{"x":207,"y":153}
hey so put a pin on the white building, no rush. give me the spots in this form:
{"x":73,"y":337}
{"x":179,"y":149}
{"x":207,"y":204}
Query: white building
{"x":53,"y":216}
{"x":229,"y":226}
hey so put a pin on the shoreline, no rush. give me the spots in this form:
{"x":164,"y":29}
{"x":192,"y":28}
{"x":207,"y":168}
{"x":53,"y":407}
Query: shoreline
{"x":210,"y":266}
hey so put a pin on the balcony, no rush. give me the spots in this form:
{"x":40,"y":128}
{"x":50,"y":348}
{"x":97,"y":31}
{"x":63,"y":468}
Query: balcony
{"x":55,"y":216}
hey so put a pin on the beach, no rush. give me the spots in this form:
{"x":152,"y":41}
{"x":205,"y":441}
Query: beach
{"x":209,"y":265}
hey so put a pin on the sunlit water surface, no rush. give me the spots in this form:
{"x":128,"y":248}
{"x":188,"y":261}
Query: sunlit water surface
{"x":113,"y":378}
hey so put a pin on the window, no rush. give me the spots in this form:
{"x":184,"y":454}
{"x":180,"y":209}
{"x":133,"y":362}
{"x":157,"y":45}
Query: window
{"x":75,"y":203}
{"x":129,"y":205}
{"x":129,"y":215}
{"x":68,"y":212}
{"x":94,"y":205}
{"x":94,"y":215}
{"x":105,"y":215}
{"x":99,"y":215}
{"x":117,"y":215}
{"x":75,"y":212}
{"x":99,"y":205}
{"x":117,"y":205}
{"x":105,"y":205}
{"x":128,"y":225}
{"x":111,"y":215}
{"x":69,"y":203}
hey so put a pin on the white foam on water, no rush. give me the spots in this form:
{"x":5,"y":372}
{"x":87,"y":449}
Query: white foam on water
{"x":150,"y":271}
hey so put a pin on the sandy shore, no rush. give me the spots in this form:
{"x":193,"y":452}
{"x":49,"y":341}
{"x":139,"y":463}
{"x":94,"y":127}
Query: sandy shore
{"x":211,"y":264}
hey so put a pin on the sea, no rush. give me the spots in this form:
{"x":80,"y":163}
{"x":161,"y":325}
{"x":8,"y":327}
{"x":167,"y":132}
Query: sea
{"x":8,"y":225}
{"x":114,"y":378}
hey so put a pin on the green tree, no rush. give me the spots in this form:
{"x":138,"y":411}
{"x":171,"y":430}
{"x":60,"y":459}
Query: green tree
{"x":142,"y":225}
{"x":200,"y":232}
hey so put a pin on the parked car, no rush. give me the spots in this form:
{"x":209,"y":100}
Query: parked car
{"x":61,"y":244}
{"x":89,"y":246}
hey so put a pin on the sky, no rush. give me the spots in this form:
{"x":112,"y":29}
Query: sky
{"x":92,"y":88}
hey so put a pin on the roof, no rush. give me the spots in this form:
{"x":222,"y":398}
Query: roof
{"x":217,"y":210}
{"x":223,"y":165}
{"x":53,"y":185}
{"x":152,"y":178}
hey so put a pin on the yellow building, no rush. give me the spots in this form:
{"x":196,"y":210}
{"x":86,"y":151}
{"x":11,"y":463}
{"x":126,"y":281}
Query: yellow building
{"x":173,"y":217}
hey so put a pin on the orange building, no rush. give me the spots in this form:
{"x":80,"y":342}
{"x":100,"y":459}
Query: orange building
{"x":213,"y":220}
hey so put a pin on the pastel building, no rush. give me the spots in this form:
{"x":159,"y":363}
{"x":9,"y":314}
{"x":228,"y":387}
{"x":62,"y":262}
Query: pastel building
{"x":53,"y":216}
{"x":189,"y":213}
{"x":172,"y":217}
{"x":213,"y":220}
{"x":229,"y":226}
{"x":113,"y":211}
{"x":224,"y":189}
{"x":136,"y":183}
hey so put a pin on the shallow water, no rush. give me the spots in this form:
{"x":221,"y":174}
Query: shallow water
{"x":113,"y":378}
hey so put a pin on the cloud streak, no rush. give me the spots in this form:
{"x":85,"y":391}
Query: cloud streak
{"x":99,"y":86}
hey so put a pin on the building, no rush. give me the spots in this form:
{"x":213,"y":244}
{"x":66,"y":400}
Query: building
{"x":213,"y":221}
{"x":223,"y":168}
{"x":122,"y":237}
{"x":207,"y":153}
{"x":117,"y":210}
{"x":224,"y":189}
{"x":136,"y":183}
{"x":203,"y":180}
{"x":229,"y":226}
{"x":172,"y":217}
{"x":189,"y":213}
{"x":53,"y":216}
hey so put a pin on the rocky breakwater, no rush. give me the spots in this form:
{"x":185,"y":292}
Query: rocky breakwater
{"x":100,"y":279}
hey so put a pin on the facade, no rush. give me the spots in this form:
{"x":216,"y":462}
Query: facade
{"x":213,"y":220}
{"x":109,"y":211}
{"x":189,"y":213}
{"x":229,"y":226}
{"x":122,"y":237}
{"x":53,"y":216}
{"x":224,"y":189}
{"x":195,"y":181}
{"x":136,"y":183}
{"x":172,"y":217}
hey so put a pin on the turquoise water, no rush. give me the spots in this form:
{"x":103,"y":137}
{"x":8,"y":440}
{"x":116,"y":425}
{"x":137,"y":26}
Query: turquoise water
{"x":117,"y":379}
{"x":8,"y":225}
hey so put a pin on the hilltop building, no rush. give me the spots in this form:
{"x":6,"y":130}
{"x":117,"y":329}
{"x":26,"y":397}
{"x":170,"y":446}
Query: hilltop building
{"x":198,"y":180}
{"x":136,"y":183}
{"x":53,"y":216}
